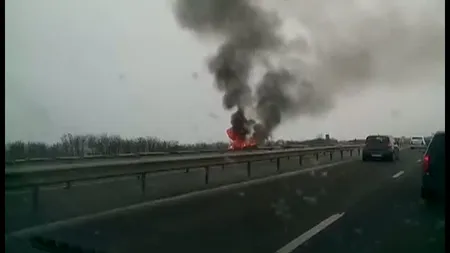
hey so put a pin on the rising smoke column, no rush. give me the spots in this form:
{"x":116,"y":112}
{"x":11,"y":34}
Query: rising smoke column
{"x":239,"y":124}
{"x":352,"y":43}
{"x":272,"y":101}
{"x":247,"y":30}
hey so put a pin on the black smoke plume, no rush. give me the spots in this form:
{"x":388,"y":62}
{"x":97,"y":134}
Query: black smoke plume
{"x":247,"y":30}
{"x":239,"y":124}
{"x":346,"y":45}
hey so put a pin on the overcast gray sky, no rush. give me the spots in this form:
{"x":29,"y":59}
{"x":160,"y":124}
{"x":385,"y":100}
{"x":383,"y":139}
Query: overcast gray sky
{"x":125,"y":67}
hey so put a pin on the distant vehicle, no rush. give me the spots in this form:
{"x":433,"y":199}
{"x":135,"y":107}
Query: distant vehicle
{"x":418,"y":142}
{"x":380,"y":147}
{"x":398,"y":141}
{"x":433,"y":164}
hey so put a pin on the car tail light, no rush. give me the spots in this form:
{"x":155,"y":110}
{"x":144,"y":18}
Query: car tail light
{"x":426,"y":163}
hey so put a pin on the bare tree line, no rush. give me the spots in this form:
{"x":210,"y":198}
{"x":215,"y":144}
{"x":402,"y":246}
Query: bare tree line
{"x":71,"y":145}
{"x":82,"y":145}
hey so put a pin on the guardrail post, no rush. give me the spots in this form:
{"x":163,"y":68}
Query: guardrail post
{"x":143,"y":181}
{"x":289,"y":158}
{"x":249,"y":169}
{"x":35,"y":198}
{"x":300,"y":160}
{"x":317,"y":156}
{"x":68,"y":185}
{"x":331,"y":155}
{"x":278,"y":164}
{"x":359,"y":151}
{"x":342,"y":154}
{"x":187,"y":170}
{"x":223,"y":166}
{"x":351,"y":152}
{"x":206,"y":174}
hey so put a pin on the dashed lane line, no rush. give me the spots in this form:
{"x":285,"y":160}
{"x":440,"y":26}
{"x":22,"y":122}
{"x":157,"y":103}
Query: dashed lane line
{"x":291,"y":246}
{"x":396,"y":175}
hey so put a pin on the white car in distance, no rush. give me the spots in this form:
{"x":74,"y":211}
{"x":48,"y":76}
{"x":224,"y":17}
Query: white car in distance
{"x":418,"y":142}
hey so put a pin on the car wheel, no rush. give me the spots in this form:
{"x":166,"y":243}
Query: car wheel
{"x":426,"y":195}
{"x":391,"y":157}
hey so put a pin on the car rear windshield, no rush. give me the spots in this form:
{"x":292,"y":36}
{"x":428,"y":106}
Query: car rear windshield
{"x":377,"y":139}
{"x":437,"y":146}
{"x":417,"y":138}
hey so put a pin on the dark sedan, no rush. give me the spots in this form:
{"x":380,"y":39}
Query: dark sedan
{"x":380,"y":147}
{"x":433,"y":165}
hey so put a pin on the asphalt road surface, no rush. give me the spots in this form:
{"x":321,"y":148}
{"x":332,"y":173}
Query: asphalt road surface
{"x":57,"y":203}
{"x":352,"y":207}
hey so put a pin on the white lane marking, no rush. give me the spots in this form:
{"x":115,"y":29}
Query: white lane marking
{"x":398,"y":174}
{"x":159,"y":202}
{"x":291,"y":246}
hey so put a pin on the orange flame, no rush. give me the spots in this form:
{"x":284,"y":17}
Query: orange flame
{"x":238,"y":143}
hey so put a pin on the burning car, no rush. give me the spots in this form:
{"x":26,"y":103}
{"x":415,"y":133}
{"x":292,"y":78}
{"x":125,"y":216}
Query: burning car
{"x":240,"y":142}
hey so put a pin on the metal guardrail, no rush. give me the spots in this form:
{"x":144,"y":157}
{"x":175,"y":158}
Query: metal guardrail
{"x":88,"y":172}
{"x":99,"y":157}
{"x":73,"y":159}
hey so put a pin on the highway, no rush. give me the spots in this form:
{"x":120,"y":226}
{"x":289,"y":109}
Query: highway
{"x":57,"y":203}
{"x":357,"y":207}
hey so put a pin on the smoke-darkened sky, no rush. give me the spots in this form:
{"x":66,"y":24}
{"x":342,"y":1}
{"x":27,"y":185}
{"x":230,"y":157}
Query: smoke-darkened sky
{"x":128,"y":69}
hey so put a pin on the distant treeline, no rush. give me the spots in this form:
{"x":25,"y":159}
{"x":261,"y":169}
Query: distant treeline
{"x":82,"y":145}
{"x":315,"y":142}
{"x":71,"y":145}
